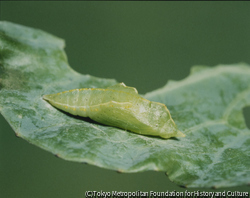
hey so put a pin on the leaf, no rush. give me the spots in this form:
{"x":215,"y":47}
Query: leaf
{"x":206,"y":106}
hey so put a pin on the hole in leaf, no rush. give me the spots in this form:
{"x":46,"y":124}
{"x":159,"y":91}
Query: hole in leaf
{"x":246,"y":113}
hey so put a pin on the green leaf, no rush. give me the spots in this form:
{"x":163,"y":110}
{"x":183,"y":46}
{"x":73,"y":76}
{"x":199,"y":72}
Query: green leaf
{"x":206,"y":106}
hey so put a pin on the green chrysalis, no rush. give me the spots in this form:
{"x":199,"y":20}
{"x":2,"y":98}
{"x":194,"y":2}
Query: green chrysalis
{"x":118,"y":106}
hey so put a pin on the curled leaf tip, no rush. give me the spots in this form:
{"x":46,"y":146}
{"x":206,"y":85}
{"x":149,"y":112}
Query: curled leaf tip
{"x":180,"y":134}
{"x":47,"y":97}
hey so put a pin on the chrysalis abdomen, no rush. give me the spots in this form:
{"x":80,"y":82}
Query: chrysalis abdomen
{"x":118,"y":106}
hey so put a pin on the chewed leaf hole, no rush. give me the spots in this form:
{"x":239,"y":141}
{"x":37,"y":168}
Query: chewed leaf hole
{"x":246,"y":113}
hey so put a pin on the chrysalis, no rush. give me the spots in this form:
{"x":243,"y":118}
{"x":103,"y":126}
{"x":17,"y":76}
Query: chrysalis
{"x":118,"y":106}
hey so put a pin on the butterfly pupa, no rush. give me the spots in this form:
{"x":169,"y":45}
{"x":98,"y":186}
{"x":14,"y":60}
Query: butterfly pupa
{"x":118,"y":106}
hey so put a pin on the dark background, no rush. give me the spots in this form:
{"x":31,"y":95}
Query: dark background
{"x":143,"y":44}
